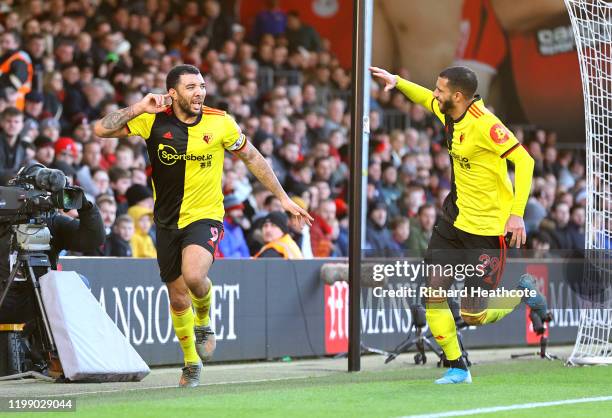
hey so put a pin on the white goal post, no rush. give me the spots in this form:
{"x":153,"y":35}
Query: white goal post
{"x":592,"y":27}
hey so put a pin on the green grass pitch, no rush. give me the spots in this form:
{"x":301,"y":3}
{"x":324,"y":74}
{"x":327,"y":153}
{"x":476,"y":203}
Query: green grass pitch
{"x":393,"y":393}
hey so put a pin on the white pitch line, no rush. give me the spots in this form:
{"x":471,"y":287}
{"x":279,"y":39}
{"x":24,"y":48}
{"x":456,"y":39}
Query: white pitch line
{"x":93,"y":392}
{"x":475,"y":411}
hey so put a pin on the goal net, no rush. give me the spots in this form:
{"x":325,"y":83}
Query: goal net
{"x":592,"y":27}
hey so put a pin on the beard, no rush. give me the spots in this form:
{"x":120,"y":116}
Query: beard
{"x":446,"y":106}
{"x":185,"y":106}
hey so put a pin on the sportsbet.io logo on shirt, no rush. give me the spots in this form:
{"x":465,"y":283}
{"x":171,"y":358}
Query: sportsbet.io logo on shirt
{"x":168,"y":155}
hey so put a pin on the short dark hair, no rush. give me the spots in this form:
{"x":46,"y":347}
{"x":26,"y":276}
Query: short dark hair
{"x":116,"y":173}
{"x":575,"y":208}
{"x":173,"y":76}
{"x":268,"y":200}
{"x":319,"y":160}
{"x":10,"y":112}
{"x":461,"y":79}
{"x":397,"y":221}
{"x":424,"y":207}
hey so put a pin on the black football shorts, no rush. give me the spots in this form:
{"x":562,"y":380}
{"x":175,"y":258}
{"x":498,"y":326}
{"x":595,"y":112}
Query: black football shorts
{"x":170,"y":243}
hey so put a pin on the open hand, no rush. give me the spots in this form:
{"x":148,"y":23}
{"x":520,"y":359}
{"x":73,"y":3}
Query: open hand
{"x":389,"y":79}
{"x":155,"y":103}
{"x":296,"y":211}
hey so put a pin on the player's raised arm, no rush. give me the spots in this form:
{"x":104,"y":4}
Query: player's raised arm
{"x":523,"y":173}
{"x":416,"y":93}
{"x":260,"y":168}
{"x":115,"y":123}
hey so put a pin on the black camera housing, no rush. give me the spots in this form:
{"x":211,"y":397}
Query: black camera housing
{"x":35,"y":191}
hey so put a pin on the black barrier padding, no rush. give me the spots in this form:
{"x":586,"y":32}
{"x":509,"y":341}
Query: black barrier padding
{"x":268,"y":309}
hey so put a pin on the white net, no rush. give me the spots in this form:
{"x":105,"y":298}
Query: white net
{"x":592,"y":26}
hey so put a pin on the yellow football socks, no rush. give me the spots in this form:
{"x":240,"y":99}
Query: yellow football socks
{"x":183,"y":327}
{"x":442,"y":325}
{"x":202,"y":307}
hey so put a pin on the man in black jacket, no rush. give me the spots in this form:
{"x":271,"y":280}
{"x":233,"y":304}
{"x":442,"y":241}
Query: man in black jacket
{"x":12,"y":148}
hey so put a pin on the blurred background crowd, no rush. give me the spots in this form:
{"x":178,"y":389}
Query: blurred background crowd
{"x":66,"y":63}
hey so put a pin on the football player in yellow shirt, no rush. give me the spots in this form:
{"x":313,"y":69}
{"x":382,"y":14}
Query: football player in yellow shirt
{"x":186,"y":142}
{"x":480,"y":210}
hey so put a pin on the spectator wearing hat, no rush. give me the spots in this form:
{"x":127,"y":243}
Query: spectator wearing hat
{"x":139,"y":195}
{"x":277,"y":241}
{"x":50,"y":127}
{"x":66,"y":150}
{"x":29,"y":131}
{"x":44,"y":150}
{"x":34,"y":107}
{"x":12,"y":148}
{"x":378,"y":237}
{"x":233,"y":244}
{"x":142,"y":244}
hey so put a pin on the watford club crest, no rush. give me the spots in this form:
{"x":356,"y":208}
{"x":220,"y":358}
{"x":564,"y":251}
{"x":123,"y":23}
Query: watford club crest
{"x":462,"y":137}
{"x":207,"y":138}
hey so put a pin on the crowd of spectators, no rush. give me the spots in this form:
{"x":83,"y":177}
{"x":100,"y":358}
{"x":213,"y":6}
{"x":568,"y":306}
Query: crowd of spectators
{"x":71,"y":62}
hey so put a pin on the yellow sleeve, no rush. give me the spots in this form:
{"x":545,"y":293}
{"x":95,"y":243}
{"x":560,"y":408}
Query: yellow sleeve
{"x":496,"y":137}
{"x":420,"y":95}
{"x":141,"y":125}
{"x":523,"y":173}
{"x":233,"y":138}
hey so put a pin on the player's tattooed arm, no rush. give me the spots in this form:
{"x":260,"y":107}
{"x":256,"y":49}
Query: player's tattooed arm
{"x":114,"y":124}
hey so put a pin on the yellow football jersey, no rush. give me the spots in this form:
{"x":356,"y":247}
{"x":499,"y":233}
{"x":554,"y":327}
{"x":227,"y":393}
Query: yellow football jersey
{"x":187,"y":163}
{"x":482,"y":196}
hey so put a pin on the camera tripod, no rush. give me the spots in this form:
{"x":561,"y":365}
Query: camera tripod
{"x":539,"y":327}
{"x":31,"y":262}
{"x":422,"y":340}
